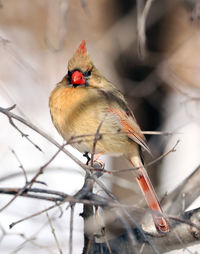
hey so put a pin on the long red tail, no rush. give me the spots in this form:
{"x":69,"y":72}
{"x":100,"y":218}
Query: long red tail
{"x":150,"y":196}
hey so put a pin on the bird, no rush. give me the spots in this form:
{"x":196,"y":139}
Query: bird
{"x":85,"y":102}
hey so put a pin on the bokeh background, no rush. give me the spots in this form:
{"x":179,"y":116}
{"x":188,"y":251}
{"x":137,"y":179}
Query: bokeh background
{"x":162,"y":87}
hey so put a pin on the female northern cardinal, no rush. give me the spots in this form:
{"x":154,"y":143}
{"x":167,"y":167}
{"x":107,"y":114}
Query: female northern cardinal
{"x":82,"y":101}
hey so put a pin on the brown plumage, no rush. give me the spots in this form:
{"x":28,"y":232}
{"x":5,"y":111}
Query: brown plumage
{"x":85,"y":98}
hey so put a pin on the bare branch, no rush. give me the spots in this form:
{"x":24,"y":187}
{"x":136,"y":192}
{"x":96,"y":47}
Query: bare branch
{"x":14,"y":125}
{"x":71,"y":229}
{"x":11,"y":115}
{"x":20,"y":166}
{"x":190,"y":188}
{"x":41,"y":170}
{"x":96,"y":138}
{"x":54,"y":234}
{"x":172,"y":150}
{"x":141,"y":21}
{"x":182,"y":234}
{"x":33,"y":180}
{"x":186,"y":227}
{"x":185,"y":232}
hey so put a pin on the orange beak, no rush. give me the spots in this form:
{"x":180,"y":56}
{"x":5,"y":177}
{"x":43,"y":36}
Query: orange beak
{"x":77,"y":78}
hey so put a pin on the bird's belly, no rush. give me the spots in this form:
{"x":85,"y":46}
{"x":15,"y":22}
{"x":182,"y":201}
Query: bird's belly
{"x":88,"y":137}
{"x":77,"y":116}
{"x":104,"y":144}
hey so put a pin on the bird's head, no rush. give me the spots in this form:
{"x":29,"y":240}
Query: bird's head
{"x":80,"y":67}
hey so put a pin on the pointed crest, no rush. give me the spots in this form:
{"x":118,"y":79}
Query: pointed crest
{"x":80,"y":60}
{"x":82,"y":48}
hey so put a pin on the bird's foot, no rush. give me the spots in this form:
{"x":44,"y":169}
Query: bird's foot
{"x":97,"y":163}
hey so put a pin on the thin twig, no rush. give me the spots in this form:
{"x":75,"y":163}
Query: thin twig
{"x":20,"y":165}
{"x":190,"y":186}
{"x":164,"y":133}
{"x":96,"y":138}
{"x":56,"y":196}
{"x":172,"y":150}
{"x":76,"y":198}
{"x":182,"y":220}
{"x":41,"y":170}
{"x":33,"y":180}
{"x":33,"y":171}
{"x":9,"y":114}
{"x":35,"y":214}
{"x":71,"y":229}
{"x":106,"y":241}
{"x":21,"y":132}
{"x":54,"y":234}
{"x":141,"y":21}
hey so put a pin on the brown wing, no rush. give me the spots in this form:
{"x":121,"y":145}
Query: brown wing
{"x":118,"y":107}
{"x":130,"y":126}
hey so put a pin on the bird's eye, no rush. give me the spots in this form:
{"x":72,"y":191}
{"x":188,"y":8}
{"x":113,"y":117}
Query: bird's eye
{"x":87,"y":73}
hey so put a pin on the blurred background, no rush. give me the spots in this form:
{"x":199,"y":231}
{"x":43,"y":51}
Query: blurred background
{"x":160,"y":82}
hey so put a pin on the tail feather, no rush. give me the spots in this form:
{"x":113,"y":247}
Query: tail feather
{"x":150,"y":195}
